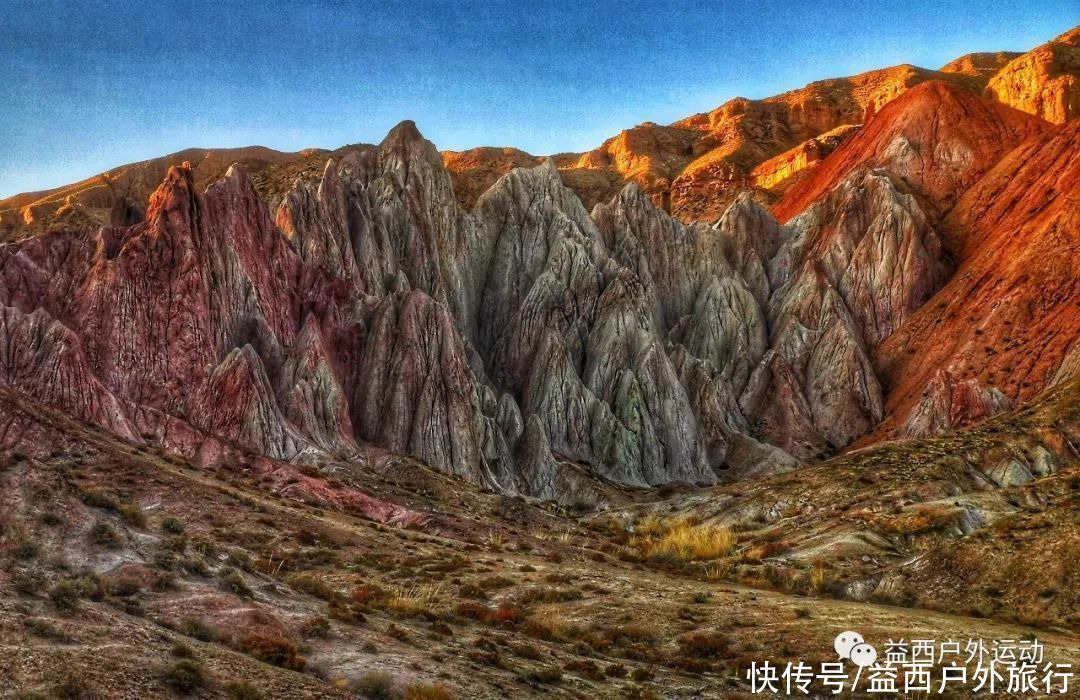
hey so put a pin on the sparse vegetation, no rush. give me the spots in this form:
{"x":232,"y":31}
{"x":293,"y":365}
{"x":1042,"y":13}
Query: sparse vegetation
{"x":233,"y":582}
{"x":547,"y":675}
{"x":172,"y":526}
{"x":103,"y":534}
{"x":704,"y":645}
{"x":197,"y":629}
{"x":416,"y":599}
{"x":427,"y":691}
{"x":682,"y":540}
{"x":184,"y":677}
{"x":315,"y":627}
{"x":132,"y":515}
{"x":272,"y":649}
{"x":239,"y":690}
{"x":376,"y":685}
{"x":67,"y":594}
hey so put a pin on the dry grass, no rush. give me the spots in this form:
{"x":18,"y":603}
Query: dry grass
{"x":682,"y":539}
{"x":416,"y":599}
{"x":427,"y":691}
{"x":818,"y":577}
{"x":918,"y":520}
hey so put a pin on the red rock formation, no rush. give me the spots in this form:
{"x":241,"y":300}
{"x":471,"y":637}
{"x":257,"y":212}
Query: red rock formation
{"x":1008,"y":317}
{"x":693,"y":168}
{"x":45,"y":360}
{"x":980,"y":65}
{"x":1044,"y":81}
{"x":526,"y":344}
{"x":947,"y":404}
{"x":476,"y":170}
{"x":116,"y":196}
{"x":938,"y":138}
{"x":782,"y":171}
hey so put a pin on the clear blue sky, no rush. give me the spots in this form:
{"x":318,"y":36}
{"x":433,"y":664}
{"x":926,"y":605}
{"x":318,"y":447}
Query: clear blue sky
{"x":90,"y":85}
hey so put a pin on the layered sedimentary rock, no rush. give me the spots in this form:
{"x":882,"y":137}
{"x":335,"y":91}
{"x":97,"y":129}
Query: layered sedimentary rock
{"x":310,"y":394}
{"x":531,"y":346}
{"x":948,"y":404}
{"x":1044,"y":81}
{"x":741,"y":134}
{"x":782,"y":171}
{"x":981,"y":65}
{"x":1007,"y":318}
{"x":938,"y":138}
{"x":45,"y":360}
{"x":118,"y":197}
{"x":376,"y":310}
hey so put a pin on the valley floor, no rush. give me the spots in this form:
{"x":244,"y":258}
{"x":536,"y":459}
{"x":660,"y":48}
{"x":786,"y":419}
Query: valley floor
{"x":129,"y":573}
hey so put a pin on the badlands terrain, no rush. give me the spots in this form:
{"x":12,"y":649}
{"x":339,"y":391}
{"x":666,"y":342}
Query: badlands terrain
{"x":388,"y":422}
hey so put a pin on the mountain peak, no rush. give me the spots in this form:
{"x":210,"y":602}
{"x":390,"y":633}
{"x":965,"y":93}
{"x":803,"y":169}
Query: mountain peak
{"x":404,"y":133}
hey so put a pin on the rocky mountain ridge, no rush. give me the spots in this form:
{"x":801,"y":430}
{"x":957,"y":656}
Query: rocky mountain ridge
{"x":692,"y":168}
{"x":522,"y":345}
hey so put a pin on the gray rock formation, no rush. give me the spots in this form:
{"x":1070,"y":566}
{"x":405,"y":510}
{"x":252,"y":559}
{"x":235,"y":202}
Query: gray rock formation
{"x":527,"y":346}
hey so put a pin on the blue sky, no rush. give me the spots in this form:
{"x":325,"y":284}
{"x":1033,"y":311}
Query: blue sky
{"x":86,"y":86}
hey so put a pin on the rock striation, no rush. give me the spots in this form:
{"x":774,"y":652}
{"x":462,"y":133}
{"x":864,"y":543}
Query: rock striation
{"x":532,"y":346}
{"x":1044,"y":81}
{"x":1007,"y":318}
{"x":938,"y":138}
{"x":522,"y":346}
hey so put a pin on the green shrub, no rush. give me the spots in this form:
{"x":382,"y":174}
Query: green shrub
{"x":172,"y":526}
{"x":100,"y":498}
{"x":203,"y":631}
{"x":375,"y":686}
{"x":46,"y":630}
{"x":75,"y":688}
{"x":105,"y":535}
{"x":233,"y":582}
{"x":28,"y":581}
{"x":316,"y":627}
{"x":184,"y":677}
{"x":548,"y":675}
{"x":182,"y":651}
{"x":26,"y":551}
{"x":125,"y":586}
{"x":66,"y":595}
{"x":242,"y":691}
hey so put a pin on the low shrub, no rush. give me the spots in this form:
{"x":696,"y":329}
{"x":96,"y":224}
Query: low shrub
{"x":203,"y":631}
{"x":26,"y":551}
{"x":316,"y":626}
{"x":172,"y":526}
{"x":242,"y":691}
{"x":505,"y":615}
{"x":704,"y":645}
{"x":66,"y":594}
{"x":233,"y":582}
{"x":548,"y":675}
{"x":272,"y":649}
{"x":427,"y":691}
{"x":105,"y":535}
{"x":184,"y":677}
{"x":375,"y":685}
{"x":133,"y":515}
